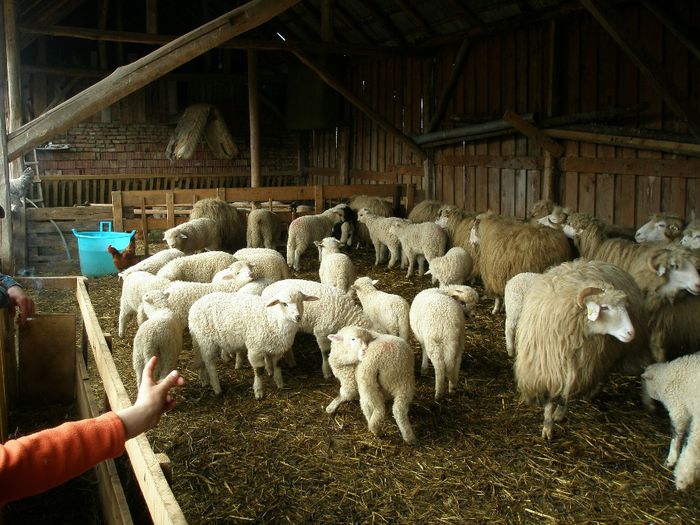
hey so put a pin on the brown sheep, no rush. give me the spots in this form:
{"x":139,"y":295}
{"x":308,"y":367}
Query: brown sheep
{"x":231,"y":222}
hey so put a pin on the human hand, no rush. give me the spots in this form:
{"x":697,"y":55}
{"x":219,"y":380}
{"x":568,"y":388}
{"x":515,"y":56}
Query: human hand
{"x":153,"y":400}
{"x":19,"y":299}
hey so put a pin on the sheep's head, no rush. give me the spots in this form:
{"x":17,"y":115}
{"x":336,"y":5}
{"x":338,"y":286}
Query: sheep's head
{"x":154,"y":300}
{"x":576,"y":223}
{"x":362,"y":214}
{"x":291,"y":303}
{"x":665,"y":227}
{"x":329,"y":245}
{"x":606,"y":312}
{"x":556,"y":218}
{"x":352,"y":343}
{"x":541,"y":209}
{"x":691,"y":235}
{"x":240,"y":272}
{"x":364,"y":283}
{"x":678,"y":267}
{"x":449,"y":213}
{"x":466,"y":296}
{"x":652,"y":377}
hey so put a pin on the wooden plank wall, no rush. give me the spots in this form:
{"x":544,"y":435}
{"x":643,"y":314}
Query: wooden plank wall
{"x":511,"y":71}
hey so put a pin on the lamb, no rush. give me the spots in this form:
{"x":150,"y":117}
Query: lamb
{"x":135,"y":285}
{"x":419,"y":243}
{"x":200,"y":267}
{"x":336,"y":269}
{"x":376,"y":206}
{"x":381,"y":236}
{"x":691,"y":235}
{"x":264,"y":228}
{"x":230,"y":222}
{"x":425,"y":211}
{"x":660,"y":227}
{"x":268,"y":263}
{"x":507,"y":248}
{"x":303,"y":231}
{"x":159,"y":335}
{"x":459,"y":224}
{"x":675,"y":384}
{"x":193,"y":236}
{"x":383,"y":370}
{"x":153,"y":263}
{"x":388,"y":312}
{"x":334,"y":311}
{"x":437,"y":319}
{"x":454,"y":267}
{"x":562,"y":340}
{"x":516,"y":288}
{"x":228,"y":323}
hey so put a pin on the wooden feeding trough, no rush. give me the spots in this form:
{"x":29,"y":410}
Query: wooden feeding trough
{"x":49,"y":355}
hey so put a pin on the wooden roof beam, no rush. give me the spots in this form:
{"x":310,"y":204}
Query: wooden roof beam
{"x":52,"y":12}
{"x":606,"y":16}
{"x":131,"y":77}
{"x":385,"y":20}
{"x":349,"y":21}
{"x":681,"y":32}
{"x":416,"y":16}
{"x":362,"y":106}
{"x":466,"y":13}
{"x":534,"y":134}
{"x":450,"y":85}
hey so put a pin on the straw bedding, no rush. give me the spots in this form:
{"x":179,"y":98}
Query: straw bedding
{"x":479,"y":455}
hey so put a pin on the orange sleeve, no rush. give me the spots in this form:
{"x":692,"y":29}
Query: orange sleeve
{"x":40,"y":461}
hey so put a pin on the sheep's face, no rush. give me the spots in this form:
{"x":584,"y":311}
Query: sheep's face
{"x":659,"y":227}
{"x":155,"y":300}
{"x":329,"y":244}
{"x":351,"y":344}
{"x":691,"y":236}
{"x":291,"y":303}
{"x":606,"y":314}
{"x":241,"y":272}
{"x":466,"y":296}
{"x":362,"y":215}
{"x":680,"y":274}
{"x":556,"y":219}
{"x":576,"y":223}
{"x":650,"y":380}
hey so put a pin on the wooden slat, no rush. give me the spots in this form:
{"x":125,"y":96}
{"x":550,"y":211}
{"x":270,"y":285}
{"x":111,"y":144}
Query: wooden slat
{"x":632,"y":166}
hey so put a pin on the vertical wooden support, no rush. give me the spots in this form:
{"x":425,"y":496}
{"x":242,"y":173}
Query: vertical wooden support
{"x":344,"y":154}
{"x":117,"y":211}
{"x":303,"y":158}
{"x":254,"y":118}
{"x":429,"y":178}
{"x":410,"y":197}
{"x":6,"y":241}
{"x":548,"y":177}
{"x":152,"y":16}
{"x":318,"y":199}
{"x":552,"y":102}
{"x":170,"y":209}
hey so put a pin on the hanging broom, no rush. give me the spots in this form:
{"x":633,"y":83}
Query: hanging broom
{"x":189,"y":132}
{"x":218,"y":136}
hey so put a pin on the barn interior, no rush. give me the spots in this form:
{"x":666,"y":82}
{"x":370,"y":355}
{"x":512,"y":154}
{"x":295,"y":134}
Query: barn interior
{"x":481,"y":104}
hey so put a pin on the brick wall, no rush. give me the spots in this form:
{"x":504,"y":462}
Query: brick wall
{"x":109,"y":148}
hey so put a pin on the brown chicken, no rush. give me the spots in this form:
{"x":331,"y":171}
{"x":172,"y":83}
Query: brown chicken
{"x":127,"y":257}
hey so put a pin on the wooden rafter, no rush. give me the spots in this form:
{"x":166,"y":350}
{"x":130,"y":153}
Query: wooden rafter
{"x":361,"y":105}
{"x":466,"y":13}
{"x":127,"y":79}
{"x":384,"y":20}
{"x":349,"y":21}
{"x":606,"y":16}
{"x":534,"y":134}
{"x":449,"y":88}
{"x":49,"y":13}
{"x":681,"y":32}
{"x":416,"y":16}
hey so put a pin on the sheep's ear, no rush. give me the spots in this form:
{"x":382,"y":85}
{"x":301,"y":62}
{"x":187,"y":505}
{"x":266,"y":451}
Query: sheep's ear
{"x":428,"y":272}
{"x":166,"y":294}
{"x":183,"y":236}
{"x":318,"y":243}
{"x":374,"y":282}
{"x":648,"y":375}
{"x":335,"y":337}
{"x":592,"y":311}
{"x":273,"y":302}
{"x":309,"y":297}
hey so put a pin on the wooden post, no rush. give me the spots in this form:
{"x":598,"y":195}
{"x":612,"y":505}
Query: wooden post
{"x":429,"y":178}
{"x":344,"y":154}
{"x":132,"y":77}
{"x":552,"y":103}
{"x":548,"y":174}
{"x":254,"y":118}
{"x":6,"y":261}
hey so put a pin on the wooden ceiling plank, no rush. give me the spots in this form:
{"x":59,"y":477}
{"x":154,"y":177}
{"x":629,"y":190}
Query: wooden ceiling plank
{"x":606,"y":16}
{"x":384,"y":20}
{"x":131,"y":77}
{"x":449,"y":88}
{"x":349,"y":21}
{"x":51,"y":13}
{"x":681,"y":33}
{"x":416,"y":16}
{"x":361,"y":105}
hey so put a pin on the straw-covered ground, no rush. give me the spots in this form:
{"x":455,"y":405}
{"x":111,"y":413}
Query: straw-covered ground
{"x":479,"y":455}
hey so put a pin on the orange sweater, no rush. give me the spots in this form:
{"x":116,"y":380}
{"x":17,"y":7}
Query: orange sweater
{"x":43,"y":460}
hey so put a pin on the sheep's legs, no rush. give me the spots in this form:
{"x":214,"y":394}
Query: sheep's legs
{"x":453,"y":373}
{"x":400,"y":411}
{"x":257,"y":361}
{"x":372,"y":404}
{"x":439,"y":366}
{"x":688,"y":466}
{"x":510,"y":336}
{"x":424,"y":363}
{"x":325,"y":346}
{"x":548,"y":423}
{"x":345,"y":394}
{"x":277,"y":371}
{"x":680,"y":422}
{"x":496,"y":306}
{"x":393,"y":257}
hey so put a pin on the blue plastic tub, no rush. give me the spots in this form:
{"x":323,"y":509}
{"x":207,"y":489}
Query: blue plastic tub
{"x":95,"y":260}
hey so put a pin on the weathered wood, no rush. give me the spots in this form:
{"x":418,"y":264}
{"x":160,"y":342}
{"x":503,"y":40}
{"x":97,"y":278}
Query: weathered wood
{"x":669,"y":146}
{"x":254,"y":119}
{"x":533,"y":133}
{"x":679,"y":30}
{"x":605,"y":14}
{"x":129,"y":78}
{"x":493,"y":161}
{"x":159,"y":498}
{"x":689,"y":169}
{"x":344,"y":154}
{"x":6,"y":241}
{"x":7,"y":372}
{"x":548,"y":174}
{"x":362,"y":106}
{"x":450,"y":85}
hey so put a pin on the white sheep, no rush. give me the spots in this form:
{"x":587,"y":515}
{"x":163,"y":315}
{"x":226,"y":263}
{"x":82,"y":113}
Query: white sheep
{"x":303,"y":231}
{"x":198,"y":267}
{"x":458,"y":225}
{"x":381,"y":236}
{"x":228,"y":323}
{"x":425,"y":211}
{"x":388,"y":312}
{"x":135,"y":285}
{"x":437,"y":318}
{"x":675,"y":384}
{"x":153,"y":263}
{"x":263,"y":229}
{"x":336,"y":268}
{"x":193,"y":236}
{"x":333,"y":311}
{"x":513,"y":296}
{"x":660,"y":227}
{"x":383,"y":370}
{"x":159,"y":335}
{"x":454,"y":267}
{"x":268,"y":263}
{"x":230,"y":222}
{"x":563,"y":340}
{"x":419,"y":243}
{"x":376,"y":206}
{"x":691,"y":235}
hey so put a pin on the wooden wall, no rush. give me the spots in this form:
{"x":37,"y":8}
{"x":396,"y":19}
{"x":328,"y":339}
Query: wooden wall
{"x":570,"y":67}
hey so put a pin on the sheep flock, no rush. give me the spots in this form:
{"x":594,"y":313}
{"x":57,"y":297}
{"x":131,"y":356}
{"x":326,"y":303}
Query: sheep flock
{"x":602,"y":327}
